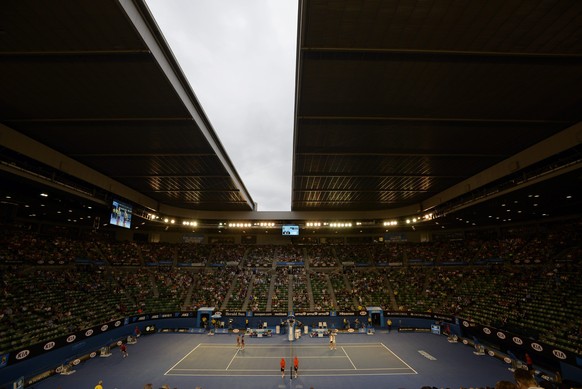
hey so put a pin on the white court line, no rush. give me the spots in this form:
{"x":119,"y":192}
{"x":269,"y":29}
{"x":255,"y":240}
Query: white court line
{"x":224,"y":370}
{"x":181,"y":359}
{"x":410,"y":367}
{"x":364,"y":345}
{"x":304,"y":370}
{"x":279,"y":375}
{"x":303,"y":357}
{"x":233,"y":357}
{"x":349,"y":359}
{"x":369,"y":369}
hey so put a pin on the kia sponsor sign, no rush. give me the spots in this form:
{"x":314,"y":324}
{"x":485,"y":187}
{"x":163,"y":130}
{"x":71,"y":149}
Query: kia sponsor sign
{"x":53,"y":344}
{"x":506,"y":340}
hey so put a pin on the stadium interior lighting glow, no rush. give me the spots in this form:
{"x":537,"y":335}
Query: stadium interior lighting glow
{"x":340,"y":225}
{"x":313,"y":224}
{"x":239,"y":225}
{"x":266,"y":224}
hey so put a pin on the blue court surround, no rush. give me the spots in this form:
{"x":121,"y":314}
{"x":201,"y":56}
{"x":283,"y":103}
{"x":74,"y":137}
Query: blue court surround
{"x":450,"y":365}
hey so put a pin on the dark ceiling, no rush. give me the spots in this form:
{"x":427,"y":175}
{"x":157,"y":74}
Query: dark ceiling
{"x":398,"y":101}
{"x":402,"y":107}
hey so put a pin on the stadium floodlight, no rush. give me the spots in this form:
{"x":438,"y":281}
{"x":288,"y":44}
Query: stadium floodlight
{"x":340,"y":225}
{"x":240,"y":224}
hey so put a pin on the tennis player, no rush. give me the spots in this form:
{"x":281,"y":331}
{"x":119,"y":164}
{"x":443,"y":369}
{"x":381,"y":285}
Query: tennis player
{"x":282,"y":363}
{"x":331,"y":340}
{"x":332,"y":336}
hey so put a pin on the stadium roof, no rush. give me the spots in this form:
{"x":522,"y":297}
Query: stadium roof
{"x":402,"y":108}
{"x":397,"y":102}
{"x":97,"y":83}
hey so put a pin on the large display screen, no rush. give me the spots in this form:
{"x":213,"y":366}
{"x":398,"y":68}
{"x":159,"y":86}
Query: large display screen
{"x":290,"y":229}
{"x":120,"y":214}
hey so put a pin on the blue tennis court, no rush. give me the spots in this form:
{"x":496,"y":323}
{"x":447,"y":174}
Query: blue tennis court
{"x":208,"y":359}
